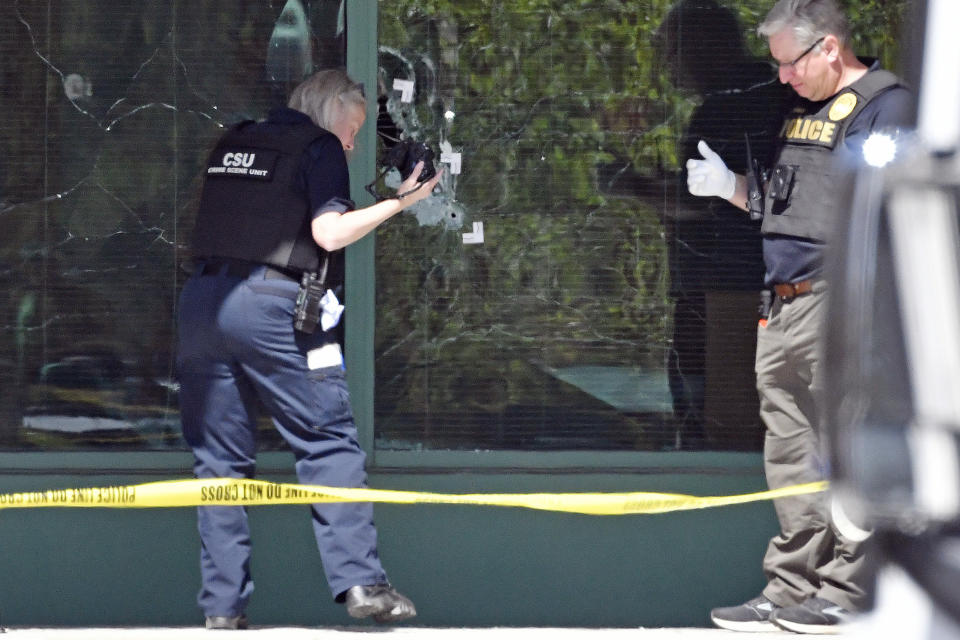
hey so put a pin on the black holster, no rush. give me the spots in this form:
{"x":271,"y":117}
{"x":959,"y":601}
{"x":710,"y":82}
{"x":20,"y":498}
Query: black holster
{"x":307,"y":312}
{"x":754,"y":184}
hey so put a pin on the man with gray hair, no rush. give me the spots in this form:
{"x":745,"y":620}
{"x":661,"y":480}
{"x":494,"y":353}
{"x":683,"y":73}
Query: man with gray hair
{"x":816,"y":578}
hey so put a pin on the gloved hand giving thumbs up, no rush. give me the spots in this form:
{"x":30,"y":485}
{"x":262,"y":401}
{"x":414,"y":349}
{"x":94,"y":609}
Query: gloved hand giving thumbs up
{"x":710,"y":176}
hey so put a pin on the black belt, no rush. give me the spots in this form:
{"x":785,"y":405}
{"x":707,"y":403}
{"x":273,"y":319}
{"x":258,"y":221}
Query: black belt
{"x":241,"y":269}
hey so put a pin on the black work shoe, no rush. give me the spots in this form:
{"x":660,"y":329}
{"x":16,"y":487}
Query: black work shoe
{"x":815,"y":615}
{"x":380,"y":601}
{"x":749,"y":616}
{"x":226,"y":622}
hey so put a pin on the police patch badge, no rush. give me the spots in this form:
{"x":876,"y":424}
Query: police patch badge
{"x":842,"y":106}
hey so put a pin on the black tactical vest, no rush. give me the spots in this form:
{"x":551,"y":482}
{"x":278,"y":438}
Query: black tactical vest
{"x":812,"y":185}
{"x":251,"y":208}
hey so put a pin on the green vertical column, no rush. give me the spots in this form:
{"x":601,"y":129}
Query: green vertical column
{"x":361,"y":20}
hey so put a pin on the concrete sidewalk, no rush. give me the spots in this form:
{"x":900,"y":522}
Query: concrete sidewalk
{"x":400,"y":633}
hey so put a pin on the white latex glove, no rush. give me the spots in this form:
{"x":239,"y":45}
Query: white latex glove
{"x":710,"y":176}
{"x":331,"y":310}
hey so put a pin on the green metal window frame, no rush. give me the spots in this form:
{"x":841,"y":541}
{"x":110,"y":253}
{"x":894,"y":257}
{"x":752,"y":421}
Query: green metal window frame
{"x":361,"y":276}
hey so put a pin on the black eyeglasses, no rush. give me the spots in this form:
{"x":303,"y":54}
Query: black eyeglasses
{"x":793,"y":63}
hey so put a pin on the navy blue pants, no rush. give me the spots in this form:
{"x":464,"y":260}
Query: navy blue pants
{"x":238,"y":345}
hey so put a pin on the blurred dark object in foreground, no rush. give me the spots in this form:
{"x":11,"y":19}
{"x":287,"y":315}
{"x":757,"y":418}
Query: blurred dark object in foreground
{"x":893,"y":352}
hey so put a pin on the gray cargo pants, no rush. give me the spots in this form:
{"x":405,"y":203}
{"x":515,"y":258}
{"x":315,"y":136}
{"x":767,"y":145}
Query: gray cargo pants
{"x":808,"y":558}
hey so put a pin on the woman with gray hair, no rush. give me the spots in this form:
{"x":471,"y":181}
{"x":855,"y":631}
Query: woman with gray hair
{"x":257,"y":323}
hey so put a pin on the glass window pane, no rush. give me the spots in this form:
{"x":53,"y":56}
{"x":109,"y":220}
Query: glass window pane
{"x":564,"y":291}
{"x":107,"y":112}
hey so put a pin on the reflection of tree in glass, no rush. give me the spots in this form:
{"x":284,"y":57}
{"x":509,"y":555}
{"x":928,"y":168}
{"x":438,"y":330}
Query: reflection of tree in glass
{"x":543,"y":94}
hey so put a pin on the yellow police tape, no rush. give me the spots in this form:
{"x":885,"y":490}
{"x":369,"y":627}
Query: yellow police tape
{"x":241,"y":492}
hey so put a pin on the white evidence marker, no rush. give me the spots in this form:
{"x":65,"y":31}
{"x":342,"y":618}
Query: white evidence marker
{"x":454,"y":160}
{"x":405,"y":87}
{"x":476,"y":236}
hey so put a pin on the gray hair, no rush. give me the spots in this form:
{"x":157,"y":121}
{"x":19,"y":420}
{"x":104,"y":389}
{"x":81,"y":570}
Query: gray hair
{"x":325,"y":95}
{"x":809,"y":19}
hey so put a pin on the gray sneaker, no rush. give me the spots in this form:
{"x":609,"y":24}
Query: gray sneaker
{"x":815,"y":615}
{"x":749,"y":616}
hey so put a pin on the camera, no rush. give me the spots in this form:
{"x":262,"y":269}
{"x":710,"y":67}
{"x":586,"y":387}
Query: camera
{"x":405,"y":155}
{"x":781,"y":182}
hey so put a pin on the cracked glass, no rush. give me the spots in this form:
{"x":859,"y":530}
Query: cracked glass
{"x":560,"y":292}
{"x":563,"y":291}
{"x":109,"y":110}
